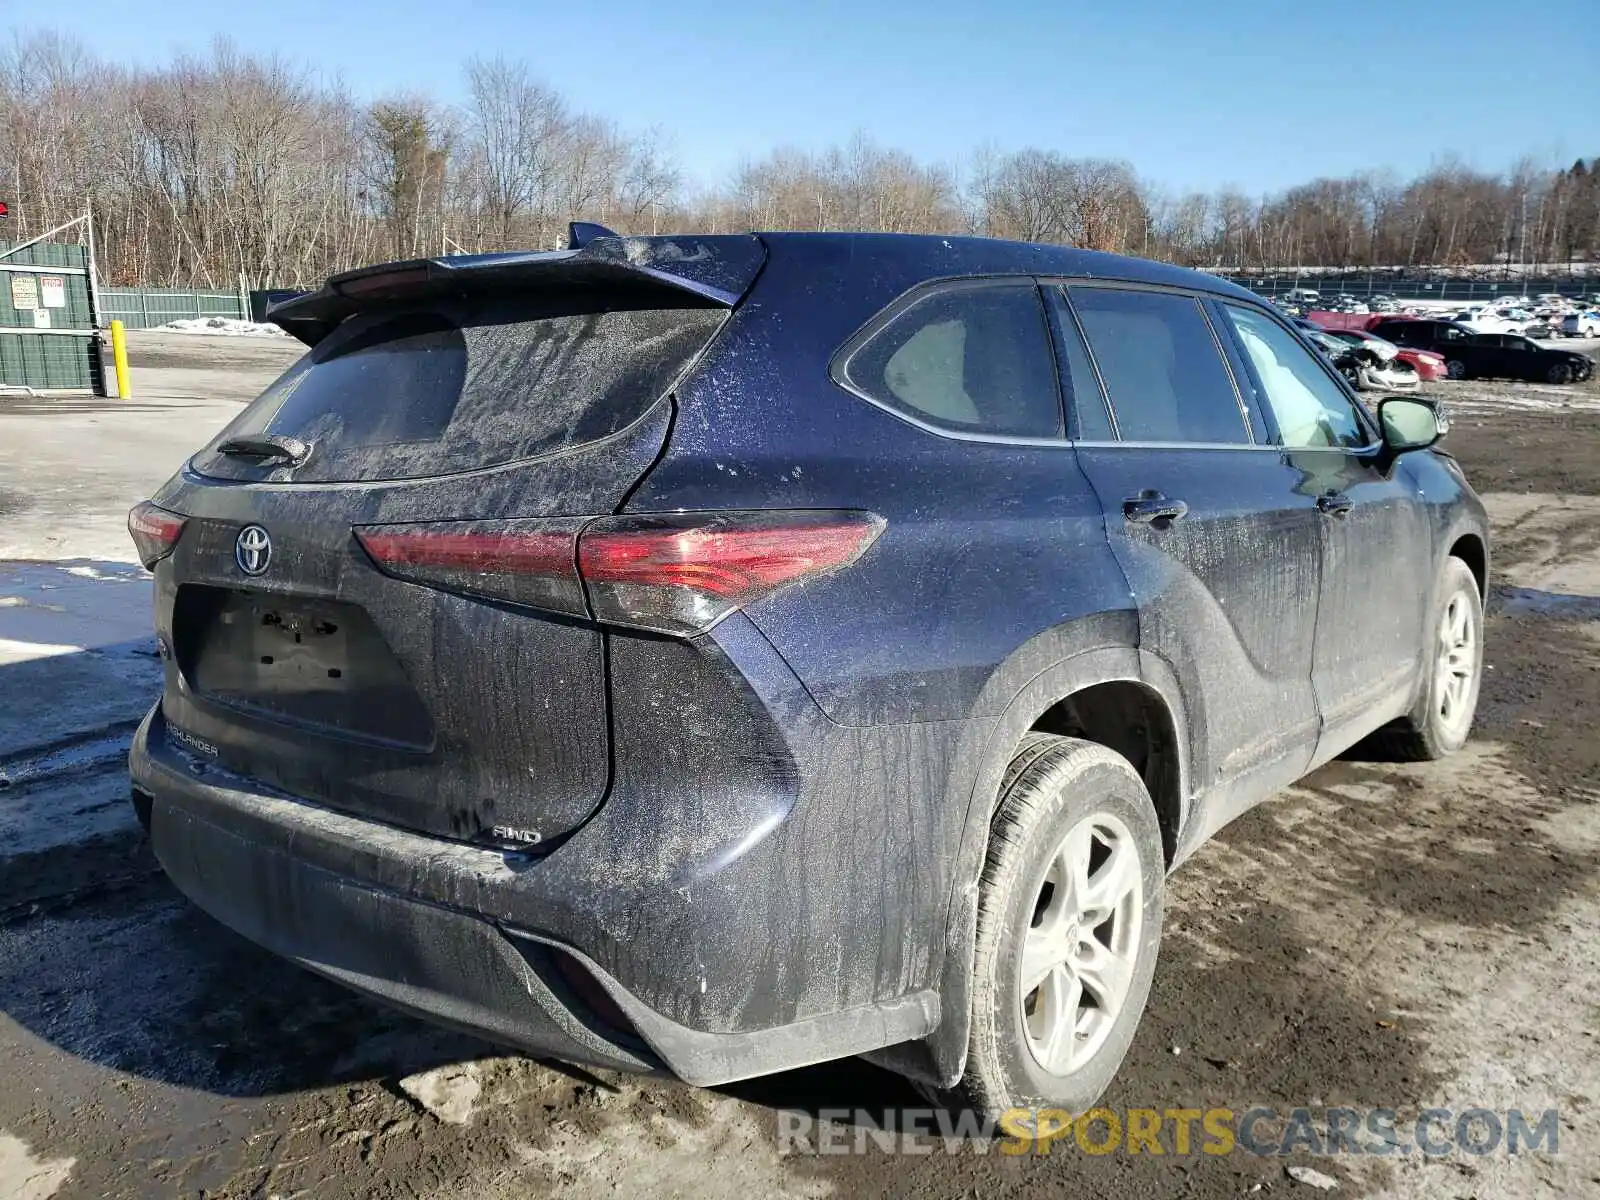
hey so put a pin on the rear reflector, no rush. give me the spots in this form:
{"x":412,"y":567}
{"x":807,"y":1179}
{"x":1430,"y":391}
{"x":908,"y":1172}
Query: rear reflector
{"x":682,"y":573}
{"x":155,"y":531}
{"x":674,"y":573}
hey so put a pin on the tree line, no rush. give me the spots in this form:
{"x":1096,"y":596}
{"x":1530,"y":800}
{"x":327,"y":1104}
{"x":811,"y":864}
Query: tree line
{"x":213,"y":169}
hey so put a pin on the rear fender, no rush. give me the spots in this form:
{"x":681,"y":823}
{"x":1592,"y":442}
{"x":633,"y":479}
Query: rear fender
{"x":1098,"y":649}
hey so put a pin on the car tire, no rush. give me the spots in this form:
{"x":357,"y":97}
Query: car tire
{"x":1439,"y":723}
{"x":1560,"y":373}
{"x":1064,"y":805}
{"x":1455,"y":368}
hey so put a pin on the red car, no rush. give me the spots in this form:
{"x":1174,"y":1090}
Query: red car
{"x":1428,"y":365}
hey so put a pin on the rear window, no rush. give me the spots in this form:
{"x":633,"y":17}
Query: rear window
{"x":968,"y":359}
{"x":456,"y":386}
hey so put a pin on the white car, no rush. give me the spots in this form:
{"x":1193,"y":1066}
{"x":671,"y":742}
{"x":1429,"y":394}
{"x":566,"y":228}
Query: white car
{"x":1486,"y":320}
{"x":1581,"y":324}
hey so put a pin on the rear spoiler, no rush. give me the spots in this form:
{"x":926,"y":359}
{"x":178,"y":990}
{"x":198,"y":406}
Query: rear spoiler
{"x":713,"y":271}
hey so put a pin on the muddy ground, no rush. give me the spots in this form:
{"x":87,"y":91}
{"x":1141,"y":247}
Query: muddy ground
{"x":1382,"y":935}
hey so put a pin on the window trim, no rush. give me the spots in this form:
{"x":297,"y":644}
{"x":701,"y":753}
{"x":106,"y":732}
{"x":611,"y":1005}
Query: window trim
{"x":1059,"y":311}
{"x":1199,"y":299}
{"x":839,"y":364}
{"x":1374,"y":438}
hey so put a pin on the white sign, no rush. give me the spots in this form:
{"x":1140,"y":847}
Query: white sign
{"x":24,"y":292}
{"x":53,"y":291}
{"x":41,"y":318}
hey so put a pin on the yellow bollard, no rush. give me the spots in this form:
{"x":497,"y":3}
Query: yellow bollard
{"x":119,"y":355}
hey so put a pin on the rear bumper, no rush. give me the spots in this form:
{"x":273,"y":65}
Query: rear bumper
{"x":495,"y":944}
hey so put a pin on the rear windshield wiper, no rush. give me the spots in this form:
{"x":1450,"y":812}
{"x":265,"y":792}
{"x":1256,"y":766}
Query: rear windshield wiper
{"x":268,"y":447}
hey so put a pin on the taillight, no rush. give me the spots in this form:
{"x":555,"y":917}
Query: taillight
{"x":683,"y":573}
{"x":674,"y":573}
{"x":531,"y":562}
{"x":155,"y":531}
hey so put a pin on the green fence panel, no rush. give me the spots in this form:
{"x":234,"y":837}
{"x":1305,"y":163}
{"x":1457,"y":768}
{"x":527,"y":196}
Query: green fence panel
{"x":146,"y":308}
{"x":63,"y":354}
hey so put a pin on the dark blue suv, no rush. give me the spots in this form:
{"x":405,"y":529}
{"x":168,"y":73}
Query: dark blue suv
{"x":713,"y":655}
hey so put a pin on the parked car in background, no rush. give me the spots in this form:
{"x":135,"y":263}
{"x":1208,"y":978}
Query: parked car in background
{"x":1543,"y":328}
{"x":532,"y":662}
{"x":1514,"y":356}
{"x":1382,"y":304}
{"x":1582,"y":324}
{"x":1363,"y":365}
{"x":1448,"y":339}
{"x":1487,"y":320}
{"x":1471,"y":355}
{"x":1427,"y":365}
{"x":1384,"y":349}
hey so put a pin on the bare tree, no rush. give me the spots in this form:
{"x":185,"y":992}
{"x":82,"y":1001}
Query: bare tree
{"x":225,"y":165}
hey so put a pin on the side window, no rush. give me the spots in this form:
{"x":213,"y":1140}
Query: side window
{"x":968,"y":359}
{"x":1310,"y":408}
{"x":1449,"y":333}
{"x":1088,"y":419}
{"x":1164,"y":376}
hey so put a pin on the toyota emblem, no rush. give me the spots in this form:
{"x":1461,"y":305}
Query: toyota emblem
{"x":253,"y":550}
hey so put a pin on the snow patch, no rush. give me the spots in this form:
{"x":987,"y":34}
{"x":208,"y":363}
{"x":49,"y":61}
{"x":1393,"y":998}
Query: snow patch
{"x":222,"y":327}
{"x":24,"y":1177}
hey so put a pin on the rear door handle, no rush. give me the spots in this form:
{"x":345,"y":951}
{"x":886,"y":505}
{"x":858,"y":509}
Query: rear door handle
{"x":1152,"y":508}
{"x":1335,"y":504}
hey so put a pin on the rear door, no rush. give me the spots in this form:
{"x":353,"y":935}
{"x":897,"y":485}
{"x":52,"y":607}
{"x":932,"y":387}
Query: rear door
{"x":1217,"y":539}
{"x":1524,"y":359}
{"x":297,"y":656}
{"x":1377,"y":557}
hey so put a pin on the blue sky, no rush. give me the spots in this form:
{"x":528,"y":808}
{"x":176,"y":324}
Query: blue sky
{"x":1195,"y":95}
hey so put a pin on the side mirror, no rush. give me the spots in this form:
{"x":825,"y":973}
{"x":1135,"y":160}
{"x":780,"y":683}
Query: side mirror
{"x":1410,"y":424}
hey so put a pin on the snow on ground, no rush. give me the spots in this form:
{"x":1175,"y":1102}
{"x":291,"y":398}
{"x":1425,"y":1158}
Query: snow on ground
{"x":222,"y":327}
{"x":1527,"y":397}
{"x":72,"y":605}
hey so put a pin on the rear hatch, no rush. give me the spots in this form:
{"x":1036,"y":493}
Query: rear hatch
{"x":527,"y":390}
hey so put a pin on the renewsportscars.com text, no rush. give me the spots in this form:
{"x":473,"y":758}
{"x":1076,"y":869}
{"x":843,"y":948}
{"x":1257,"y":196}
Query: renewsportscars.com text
{"x":1432,"y":1132}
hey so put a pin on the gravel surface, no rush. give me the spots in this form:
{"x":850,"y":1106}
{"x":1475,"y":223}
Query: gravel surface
{"x":1399,"y":936}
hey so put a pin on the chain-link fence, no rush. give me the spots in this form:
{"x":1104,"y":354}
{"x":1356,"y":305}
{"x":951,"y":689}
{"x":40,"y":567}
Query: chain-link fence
{"x":1435,"y":287}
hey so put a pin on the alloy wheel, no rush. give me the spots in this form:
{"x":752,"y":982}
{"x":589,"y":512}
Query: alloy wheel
{"x":1456,"y":668}
{"x":1078,"y":955}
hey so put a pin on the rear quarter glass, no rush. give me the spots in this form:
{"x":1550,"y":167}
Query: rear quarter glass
{"x":401,"y":393}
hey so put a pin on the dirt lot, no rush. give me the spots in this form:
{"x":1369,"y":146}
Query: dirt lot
{"x":1389,"y":936}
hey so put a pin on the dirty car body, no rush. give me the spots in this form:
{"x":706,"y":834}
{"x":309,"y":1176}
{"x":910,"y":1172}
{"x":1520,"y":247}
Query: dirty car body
{"x":617,"y":652}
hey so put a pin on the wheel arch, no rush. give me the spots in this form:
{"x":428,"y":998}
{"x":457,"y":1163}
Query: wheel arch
{"x":1472,"y":549}
{"x":1122,"y":682}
